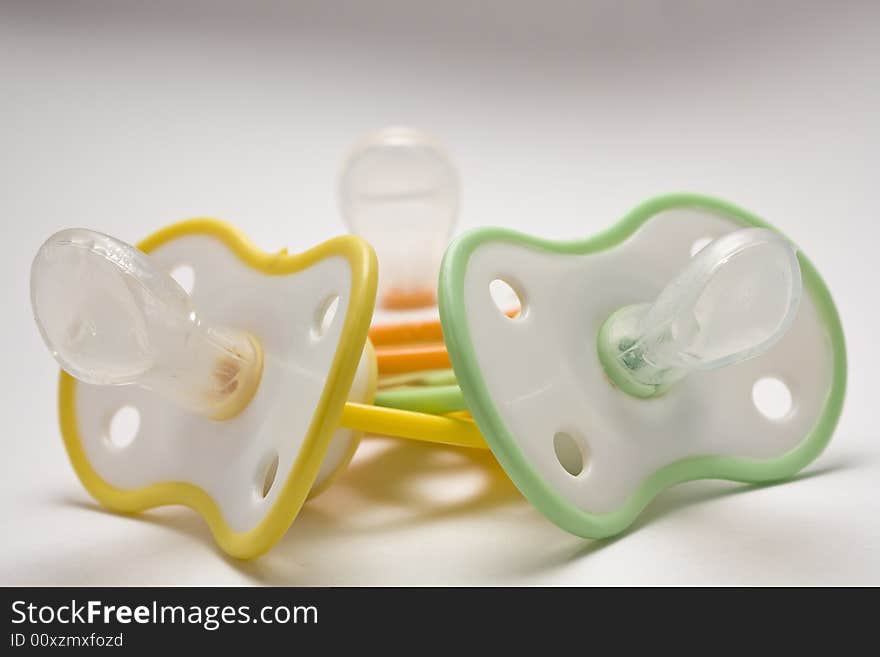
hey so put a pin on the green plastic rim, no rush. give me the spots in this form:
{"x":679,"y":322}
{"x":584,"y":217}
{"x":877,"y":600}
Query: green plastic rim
{"x":499,"y":438}
{"x":622,"y":377}
{"x":423,"y":399}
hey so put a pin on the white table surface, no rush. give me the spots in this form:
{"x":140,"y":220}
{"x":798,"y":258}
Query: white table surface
{"x":560,"y":116}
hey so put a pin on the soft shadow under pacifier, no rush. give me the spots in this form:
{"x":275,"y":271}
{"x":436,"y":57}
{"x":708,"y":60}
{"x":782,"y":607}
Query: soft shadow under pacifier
{"x":689,"y":341}
{"x":248,"y":394}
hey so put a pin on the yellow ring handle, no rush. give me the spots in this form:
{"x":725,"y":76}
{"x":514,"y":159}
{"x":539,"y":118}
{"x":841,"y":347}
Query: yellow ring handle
{"x":442,"y":429}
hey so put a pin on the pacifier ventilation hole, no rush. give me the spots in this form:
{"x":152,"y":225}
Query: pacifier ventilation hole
{"x":506,"y":298}
{"x":185,"y":276}
{"x":124,"y":426}
{"x":324,"y":316}
{"x":699,"y":245}
{"x":571,"y":456}
{"x":772,"y":398}
{"x":267,"y":474}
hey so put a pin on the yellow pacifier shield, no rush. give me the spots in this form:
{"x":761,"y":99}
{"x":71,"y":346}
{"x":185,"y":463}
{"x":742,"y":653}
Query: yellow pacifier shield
{"x":250,"y":474}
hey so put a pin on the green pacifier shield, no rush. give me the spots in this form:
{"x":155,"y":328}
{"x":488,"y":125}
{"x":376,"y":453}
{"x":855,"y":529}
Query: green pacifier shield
{"x":587,"y":454}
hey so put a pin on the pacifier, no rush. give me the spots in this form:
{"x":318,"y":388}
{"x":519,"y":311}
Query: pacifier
{"x":689,"y":341}
{"x":244,"y":394}
{"x":399,"y":190}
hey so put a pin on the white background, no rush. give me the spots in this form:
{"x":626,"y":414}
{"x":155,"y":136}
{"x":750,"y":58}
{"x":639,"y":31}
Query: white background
{"x":561,"y":116}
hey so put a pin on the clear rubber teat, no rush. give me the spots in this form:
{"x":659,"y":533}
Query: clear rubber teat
{"x":399,"y":191}
{"x":734,"y":300}
{"x":110,"y":317}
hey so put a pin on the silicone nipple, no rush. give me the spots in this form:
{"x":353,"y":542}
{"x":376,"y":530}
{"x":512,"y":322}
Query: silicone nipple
{"x":399,"y":191}
{"x":732,"y":302}
{"x":110,"y":317}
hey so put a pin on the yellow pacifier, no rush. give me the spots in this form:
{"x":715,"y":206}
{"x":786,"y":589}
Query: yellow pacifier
{"x":238,"y":398}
